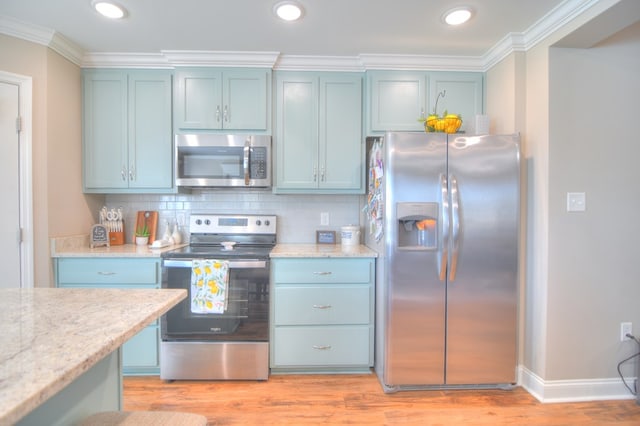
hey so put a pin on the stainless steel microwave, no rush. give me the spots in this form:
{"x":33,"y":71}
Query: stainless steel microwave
{"x":216,"y":160}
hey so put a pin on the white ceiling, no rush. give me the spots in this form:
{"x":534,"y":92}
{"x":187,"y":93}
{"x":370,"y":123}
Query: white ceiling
{"x":329,"y":27}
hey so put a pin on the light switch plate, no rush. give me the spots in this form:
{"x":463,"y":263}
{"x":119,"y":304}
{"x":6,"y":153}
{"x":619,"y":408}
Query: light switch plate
{"x":576,"y":202}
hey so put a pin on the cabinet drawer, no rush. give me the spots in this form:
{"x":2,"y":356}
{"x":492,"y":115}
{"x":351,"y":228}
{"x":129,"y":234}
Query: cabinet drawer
{"x":293,"y":271}
{"x":108,"y":271}
{"x":324,"y":346}
{"x":322,"y":305}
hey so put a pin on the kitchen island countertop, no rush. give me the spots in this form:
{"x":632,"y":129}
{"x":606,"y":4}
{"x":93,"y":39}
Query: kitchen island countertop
{"x":321,"y":250}
{"x":54,"y":335}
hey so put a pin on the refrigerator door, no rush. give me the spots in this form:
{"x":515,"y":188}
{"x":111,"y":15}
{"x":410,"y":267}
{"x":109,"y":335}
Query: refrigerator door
{"x":414,"y":335}
{"x":482,"y":289}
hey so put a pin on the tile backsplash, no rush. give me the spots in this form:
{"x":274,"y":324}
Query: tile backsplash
{"x":298,"y":215}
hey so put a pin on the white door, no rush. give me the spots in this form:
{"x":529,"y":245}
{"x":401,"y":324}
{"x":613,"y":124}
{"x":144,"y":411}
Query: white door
{"x":10,"y":250}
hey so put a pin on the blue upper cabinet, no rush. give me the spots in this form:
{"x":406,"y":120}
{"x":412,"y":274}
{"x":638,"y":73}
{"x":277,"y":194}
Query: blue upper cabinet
{"x":318,"y":143}
{"x":127,"y":138}
{"x":398,"y":99}
{"x":222,"y":99}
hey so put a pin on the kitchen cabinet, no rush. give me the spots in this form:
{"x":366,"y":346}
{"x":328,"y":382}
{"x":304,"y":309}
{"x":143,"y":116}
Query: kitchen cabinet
{"x":398,"y":99}
{"x":222,"y":99}
{"x":140,"y":354}
{"x":127,"y":136}
{"x":319,"y":146}
{"x":322,"y":315}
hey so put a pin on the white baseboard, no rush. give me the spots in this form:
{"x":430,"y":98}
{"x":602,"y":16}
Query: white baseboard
{"x":550,"y":391}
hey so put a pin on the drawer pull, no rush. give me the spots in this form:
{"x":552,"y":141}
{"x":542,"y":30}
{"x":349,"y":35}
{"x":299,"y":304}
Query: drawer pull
{"x":322,"y":273}
{"x":322,"y":347}
{"x":322,"y":306}
{"x":106,"y":273}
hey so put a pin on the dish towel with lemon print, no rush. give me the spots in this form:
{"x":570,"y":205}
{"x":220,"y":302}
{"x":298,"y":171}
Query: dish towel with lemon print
{"x":209,"y":286}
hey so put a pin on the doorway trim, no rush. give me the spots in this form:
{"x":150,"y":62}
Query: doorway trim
{"x":25,"y":107}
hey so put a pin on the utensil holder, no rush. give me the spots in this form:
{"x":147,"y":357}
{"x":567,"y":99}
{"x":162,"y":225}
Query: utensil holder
{"x":116,"y":238}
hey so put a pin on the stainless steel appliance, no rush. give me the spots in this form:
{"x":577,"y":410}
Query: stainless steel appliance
{"x":215,"y":160}
{"x":443,"y":215}
{"x":233,"y":344}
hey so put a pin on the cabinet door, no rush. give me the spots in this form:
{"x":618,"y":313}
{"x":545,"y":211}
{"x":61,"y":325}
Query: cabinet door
{"x":150,"y":142}
{"x":245,"y":100}
{"x":463,"y":95}
{"x":198,"y":103}
{"x":340,"y":133}
{"x":105,"y":129}
{"x":297,"y":131}
{"x":398,"y":100}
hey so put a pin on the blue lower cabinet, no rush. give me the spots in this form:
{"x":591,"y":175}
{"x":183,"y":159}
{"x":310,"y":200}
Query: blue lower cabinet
{"x":140,"y":354}
{"x":322,"y":315}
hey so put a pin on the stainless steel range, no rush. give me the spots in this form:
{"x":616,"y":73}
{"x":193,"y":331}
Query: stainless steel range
{"x":221,"y":330}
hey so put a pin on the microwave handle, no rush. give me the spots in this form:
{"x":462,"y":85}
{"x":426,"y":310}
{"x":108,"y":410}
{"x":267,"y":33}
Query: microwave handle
{"x":245,"y":162}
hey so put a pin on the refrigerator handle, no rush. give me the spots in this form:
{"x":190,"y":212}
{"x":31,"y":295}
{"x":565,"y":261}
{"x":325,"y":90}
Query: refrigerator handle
{"x":443,"y":246}
{"x":455,"y":222}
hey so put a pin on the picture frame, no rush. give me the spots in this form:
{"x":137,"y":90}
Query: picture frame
{"x":99,"y":236}
{"x":325,"y":237}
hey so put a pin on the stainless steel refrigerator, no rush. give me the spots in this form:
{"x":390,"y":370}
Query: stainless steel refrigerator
{"x":443,"y":214}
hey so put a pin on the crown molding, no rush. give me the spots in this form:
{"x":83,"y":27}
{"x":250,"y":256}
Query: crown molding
{"x":220,"y":58}
{"x":125,"y":60}
{"x":563,"y":14}
{"x":421,"y":62}
{"x":318,"y":63}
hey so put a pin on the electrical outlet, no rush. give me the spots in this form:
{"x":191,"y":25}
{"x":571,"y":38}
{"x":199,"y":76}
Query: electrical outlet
{"x":625,"y":328}
{"x":324,"y":218}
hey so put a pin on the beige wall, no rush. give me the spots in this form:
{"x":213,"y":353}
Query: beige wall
{"x":593,"y":148}
{"x":59,"y":207}
{"x":579,"y":286}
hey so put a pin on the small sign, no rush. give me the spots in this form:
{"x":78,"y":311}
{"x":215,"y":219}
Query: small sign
{"x":325,"y":237}
{"x":99,"y":236}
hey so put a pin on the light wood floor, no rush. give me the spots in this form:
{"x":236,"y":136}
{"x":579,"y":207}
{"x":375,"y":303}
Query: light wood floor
{"x":358,"y":399}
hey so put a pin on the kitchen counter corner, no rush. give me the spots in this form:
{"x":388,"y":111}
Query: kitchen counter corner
{"x":58,"y":334}
{"x":321,"y":250}
{"x":78,"y":246}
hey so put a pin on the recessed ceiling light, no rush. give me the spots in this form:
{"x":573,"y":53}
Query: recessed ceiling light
{"x":288,"y":10}
{"x":109,"y":9}
{"x":458,"y":16}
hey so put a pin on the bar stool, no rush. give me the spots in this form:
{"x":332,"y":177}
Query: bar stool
{"x":141,"y":418}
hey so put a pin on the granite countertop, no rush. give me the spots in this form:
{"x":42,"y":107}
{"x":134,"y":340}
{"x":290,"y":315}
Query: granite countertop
{"x":78,"y":246}
{"x":321,"y":250}
{"x":53,"y":335}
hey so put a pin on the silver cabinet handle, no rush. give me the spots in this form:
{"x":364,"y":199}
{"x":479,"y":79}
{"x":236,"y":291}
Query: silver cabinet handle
{"x":443,"y":246}
{"x":132,"y":173}
{"x":322,"y":273}
{"x":123,"y":173}
{"x":106,"y":273}
{"x":218,"y":113}
{"x":225,"y":114}
{"x":315,"y":173}
{"x":322,"y":179}
{"x":322,"y":347}
{"x":455,"y":224}
{"x":322,"y":306}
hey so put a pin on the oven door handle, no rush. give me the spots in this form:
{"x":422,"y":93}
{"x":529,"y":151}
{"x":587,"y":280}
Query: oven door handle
{"x":233,"y":264}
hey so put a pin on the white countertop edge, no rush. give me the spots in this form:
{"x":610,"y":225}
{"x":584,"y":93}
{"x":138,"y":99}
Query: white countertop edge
{"x":321,"y":250}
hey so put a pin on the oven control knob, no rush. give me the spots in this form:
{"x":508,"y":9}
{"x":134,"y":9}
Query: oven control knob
{"x":198,"y":221}
{"x":267,"y":223}
{"x":258,"y":222}
{"x":207,"y":222}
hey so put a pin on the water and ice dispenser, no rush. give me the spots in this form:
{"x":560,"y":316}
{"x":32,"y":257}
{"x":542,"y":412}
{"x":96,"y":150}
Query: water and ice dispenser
{"x":417,"y":226}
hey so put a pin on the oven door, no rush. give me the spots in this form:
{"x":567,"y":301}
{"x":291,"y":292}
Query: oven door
{"x":246,"y":317}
